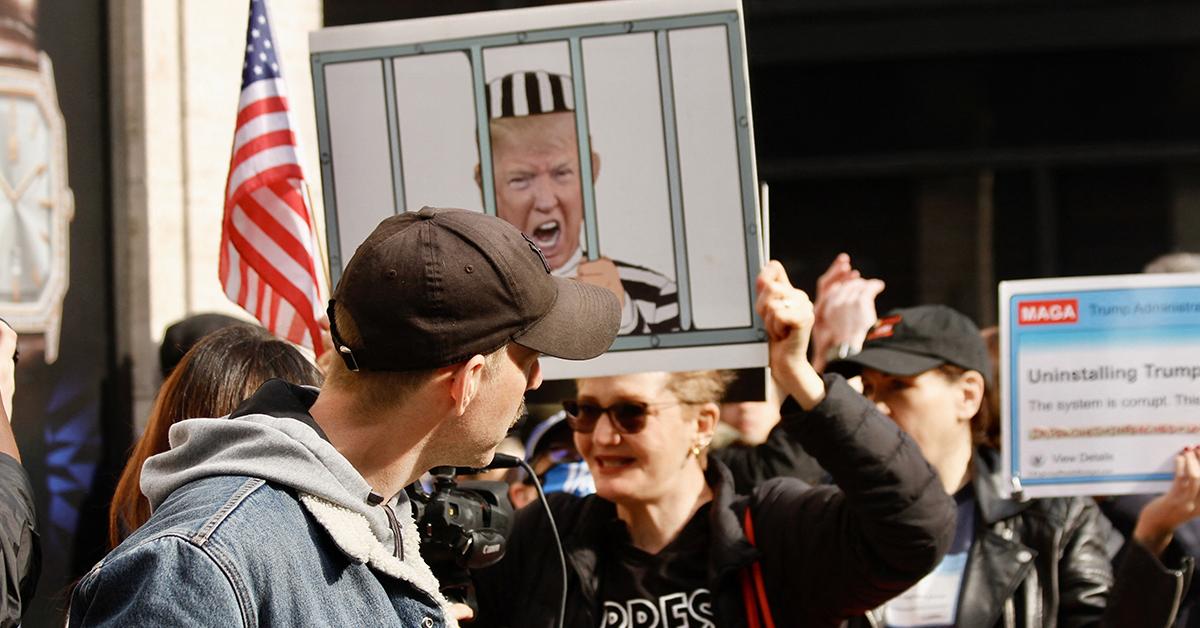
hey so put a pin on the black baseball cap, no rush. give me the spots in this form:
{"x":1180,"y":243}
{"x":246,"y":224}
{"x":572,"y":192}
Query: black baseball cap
{"x":182,"y":335}
{"x":434,"y":287}
{"x":910,"y":341}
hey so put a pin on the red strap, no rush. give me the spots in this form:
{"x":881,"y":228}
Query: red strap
{"x":749,"y":590}
{"x":748,"y":601}
{"x":748,"y":526}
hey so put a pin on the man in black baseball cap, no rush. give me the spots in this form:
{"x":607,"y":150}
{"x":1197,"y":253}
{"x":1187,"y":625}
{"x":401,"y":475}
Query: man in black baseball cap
{"x":441,"y":288}
{"x":910,"y":341}
{"x":926,"y":367}
{"x":439,"y":320}
{"x":432,"y":288}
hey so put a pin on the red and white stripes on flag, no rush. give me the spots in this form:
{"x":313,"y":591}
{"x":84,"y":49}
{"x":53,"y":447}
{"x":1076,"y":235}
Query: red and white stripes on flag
{"x":268,"y":243}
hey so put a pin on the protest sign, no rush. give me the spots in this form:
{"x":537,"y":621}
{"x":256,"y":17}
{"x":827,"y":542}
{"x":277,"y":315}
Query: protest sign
{"x":617,"y":135}
{"x":1101,"y":382}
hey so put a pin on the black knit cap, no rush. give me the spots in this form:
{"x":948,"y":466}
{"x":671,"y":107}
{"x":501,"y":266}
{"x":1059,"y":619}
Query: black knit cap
{"x":910,"y":341}
{"x":434,"y":287}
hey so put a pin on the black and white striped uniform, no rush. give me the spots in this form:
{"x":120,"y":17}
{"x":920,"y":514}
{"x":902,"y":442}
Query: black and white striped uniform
{"x":651,"y":298}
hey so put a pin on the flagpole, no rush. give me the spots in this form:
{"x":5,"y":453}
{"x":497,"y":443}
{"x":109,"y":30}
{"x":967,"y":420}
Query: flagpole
{"x":322,"y":249}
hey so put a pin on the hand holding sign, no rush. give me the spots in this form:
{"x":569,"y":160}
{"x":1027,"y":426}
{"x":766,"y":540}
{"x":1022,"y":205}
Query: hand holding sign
{"x":602,"y":272}
{"x":787,"y":315}
{"x":1100,"y":377}
{"x":1159,"y":519}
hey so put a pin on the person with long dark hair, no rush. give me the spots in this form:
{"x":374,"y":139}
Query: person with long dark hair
{"x":213,"y":377}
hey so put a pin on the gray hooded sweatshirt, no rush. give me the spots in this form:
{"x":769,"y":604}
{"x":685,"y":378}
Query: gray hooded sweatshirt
{"x":272,"y":437}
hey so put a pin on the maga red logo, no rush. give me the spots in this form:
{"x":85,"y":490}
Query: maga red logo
{"x":1052,"y":312}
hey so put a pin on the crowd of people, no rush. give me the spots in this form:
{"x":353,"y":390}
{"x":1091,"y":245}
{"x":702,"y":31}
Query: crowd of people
{"x":874,"y":473}
{"x":864,"y":491}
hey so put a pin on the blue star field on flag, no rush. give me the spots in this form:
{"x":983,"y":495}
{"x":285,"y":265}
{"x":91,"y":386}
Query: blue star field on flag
{"x":261,"y":60}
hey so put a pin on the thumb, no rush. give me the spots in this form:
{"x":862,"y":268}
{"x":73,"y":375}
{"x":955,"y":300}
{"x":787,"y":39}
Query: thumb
{"x":874,"y":287}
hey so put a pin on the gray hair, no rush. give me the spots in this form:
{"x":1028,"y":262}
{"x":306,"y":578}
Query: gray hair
{"x":1174,"y":263}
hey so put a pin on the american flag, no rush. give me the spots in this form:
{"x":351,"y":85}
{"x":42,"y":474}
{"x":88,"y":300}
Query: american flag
{"x":268,"y":245}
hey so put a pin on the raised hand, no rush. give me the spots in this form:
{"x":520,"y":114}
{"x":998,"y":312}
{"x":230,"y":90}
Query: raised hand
{"x":844,"y":315}
{"x":787,"y":315}
{"x":839,"y":270}
{"x":1157,"y":522}
{"x":602,"y":272}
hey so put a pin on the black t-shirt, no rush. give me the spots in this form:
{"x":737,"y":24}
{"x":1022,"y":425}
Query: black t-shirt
{"x":664,"y":590}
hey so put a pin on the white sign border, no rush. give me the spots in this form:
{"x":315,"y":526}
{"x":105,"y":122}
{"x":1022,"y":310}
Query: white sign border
{"x":1009,"y":290}
{"x":737,"y":352}
{"x":484,"y":23}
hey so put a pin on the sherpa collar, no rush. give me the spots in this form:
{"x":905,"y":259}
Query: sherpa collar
{"x":349,"y":530}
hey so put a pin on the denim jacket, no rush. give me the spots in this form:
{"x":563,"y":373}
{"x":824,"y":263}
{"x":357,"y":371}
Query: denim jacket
{"x":258,"y":521}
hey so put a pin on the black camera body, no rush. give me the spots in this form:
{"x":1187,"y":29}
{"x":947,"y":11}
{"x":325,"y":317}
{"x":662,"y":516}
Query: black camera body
{"x":463,"y":523}
{"x":463,"y":526}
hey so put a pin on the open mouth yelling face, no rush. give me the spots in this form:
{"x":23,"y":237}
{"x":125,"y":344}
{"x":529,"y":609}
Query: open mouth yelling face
{"x":546,"y":207}
{"x":536,"y":163}
{"x":546,"y":234}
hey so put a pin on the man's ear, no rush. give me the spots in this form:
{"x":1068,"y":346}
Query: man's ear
{"x":595,"y":166}
{"x":466,"y":383}
{"x":970,"y":387}
{"x":478,"y":177}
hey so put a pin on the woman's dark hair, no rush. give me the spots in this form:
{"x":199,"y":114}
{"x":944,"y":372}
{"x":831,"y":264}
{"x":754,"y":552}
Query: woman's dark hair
{"x":216,"y":375}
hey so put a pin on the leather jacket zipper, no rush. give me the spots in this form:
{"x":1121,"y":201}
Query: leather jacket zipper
{"x":1179,"y":590}
{"x":399,"y":551}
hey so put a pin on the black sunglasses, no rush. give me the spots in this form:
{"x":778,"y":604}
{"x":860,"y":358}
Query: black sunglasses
{"x":629,"y":417}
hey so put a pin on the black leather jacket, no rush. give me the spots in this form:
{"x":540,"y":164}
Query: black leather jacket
{"x":1042,"y":563}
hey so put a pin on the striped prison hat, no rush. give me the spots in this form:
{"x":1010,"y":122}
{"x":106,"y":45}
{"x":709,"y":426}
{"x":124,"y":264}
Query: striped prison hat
{"x":529,"y":93}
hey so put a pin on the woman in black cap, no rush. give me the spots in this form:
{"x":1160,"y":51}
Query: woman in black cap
{"x":1040,"y":562}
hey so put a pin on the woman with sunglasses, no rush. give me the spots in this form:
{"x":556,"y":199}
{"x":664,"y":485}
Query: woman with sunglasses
{"x":667,"y":540}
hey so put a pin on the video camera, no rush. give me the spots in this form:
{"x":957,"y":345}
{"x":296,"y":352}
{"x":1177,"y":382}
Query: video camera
{"x":463,"y":526}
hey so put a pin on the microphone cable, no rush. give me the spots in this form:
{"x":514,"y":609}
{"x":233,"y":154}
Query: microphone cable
{"x":505,"y":461}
